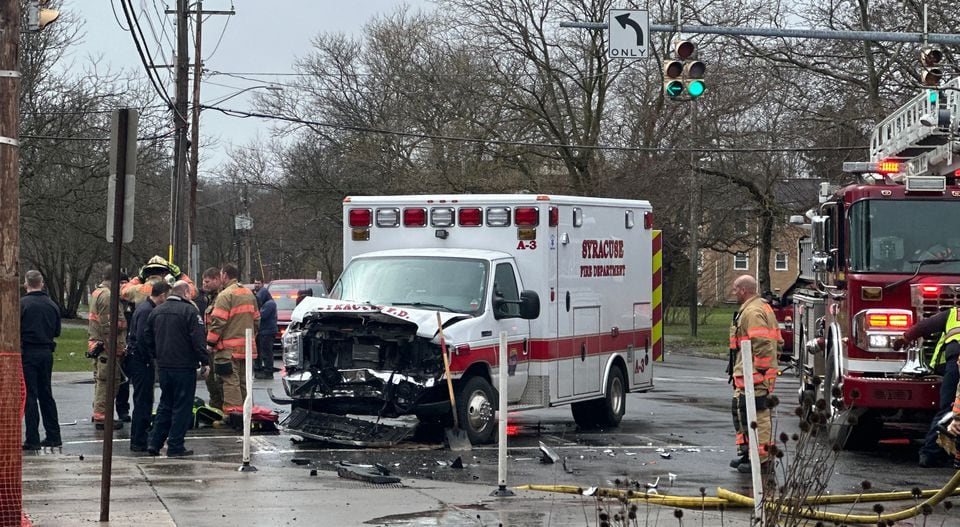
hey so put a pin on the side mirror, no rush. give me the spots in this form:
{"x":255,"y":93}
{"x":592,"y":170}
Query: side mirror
{"x":529,"y":305}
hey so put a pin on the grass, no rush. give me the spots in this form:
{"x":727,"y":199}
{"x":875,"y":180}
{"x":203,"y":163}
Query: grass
{"x":713,"y":333}
{"x":71,"y":346}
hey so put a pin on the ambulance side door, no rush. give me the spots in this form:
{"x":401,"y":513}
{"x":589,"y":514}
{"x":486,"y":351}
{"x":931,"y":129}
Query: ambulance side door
{"x":506,"y":284}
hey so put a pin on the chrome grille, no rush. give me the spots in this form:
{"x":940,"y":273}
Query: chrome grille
{"x":928,"y":306}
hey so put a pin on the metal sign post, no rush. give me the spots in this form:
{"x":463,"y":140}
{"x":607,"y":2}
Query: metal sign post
{"x":123,"y":153}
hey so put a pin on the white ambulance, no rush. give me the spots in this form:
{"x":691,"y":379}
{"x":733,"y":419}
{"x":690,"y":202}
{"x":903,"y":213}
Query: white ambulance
{"x":570,"y":279}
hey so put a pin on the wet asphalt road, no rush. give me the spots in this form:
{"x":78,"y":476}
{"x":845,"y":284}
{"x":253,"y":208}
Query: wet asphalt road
{"x":687,"y":416}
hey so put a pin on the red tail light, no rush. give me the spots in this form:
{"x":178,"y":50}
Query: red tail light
{"x":470,"y":217}
{"x":648,"y":220}
{"x":554,"y":216}
{"x":360,"y":217}
{"x":930,"y":291}
{"x":415,"y":217}
{"x":526,"y":216}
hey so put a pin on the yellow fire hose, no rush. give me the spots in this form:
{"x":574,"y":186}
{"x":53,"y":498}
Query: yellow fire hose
{"x":731,"y":499}
{"x":947,"y":490}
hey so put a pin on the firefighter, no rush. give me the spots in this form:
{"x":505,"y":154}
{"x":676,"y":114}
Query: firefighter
{"x":944,"y":361}
{"x":210,"y":286}
{"x":157,"y":268}
{"x":754,"y":322}
{"x":234,"y":311}
{"x":98,"y":346}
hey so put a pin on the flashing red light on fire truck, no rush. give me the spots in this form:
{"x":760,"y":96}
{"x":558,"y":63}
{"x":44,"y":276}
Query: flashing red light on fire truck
{"x":930,"y":291}
{"x":888,"y":167}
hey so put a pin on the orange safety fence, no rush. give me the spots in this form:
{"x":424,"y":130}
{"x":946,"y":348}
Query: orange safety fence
{"x":12,"y":397}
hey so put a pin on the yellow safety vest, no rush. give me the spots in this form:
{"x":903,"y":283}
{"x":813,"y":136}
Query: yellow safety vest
{"x":951,"y":333}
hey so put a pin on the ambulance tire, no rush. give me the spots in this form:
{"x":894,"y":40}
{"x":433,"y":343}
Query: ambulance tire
{"x":610,"y":409}
{"x":476,"y":410}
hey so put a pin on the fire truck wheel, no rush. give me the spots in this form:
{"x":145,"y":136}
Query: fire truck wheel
{"x":476,"y":404}
{"x":584,"y":414}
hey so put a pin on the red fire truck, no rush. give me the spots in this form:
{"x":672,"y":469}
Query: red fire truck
{"x":885,"y":252}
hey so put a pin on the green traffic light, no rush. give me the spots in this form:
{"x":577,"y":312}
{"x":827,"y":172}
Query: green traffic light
{"x":674,"y":88}
{"x":932,"y":96}
{"x":695,"y":88}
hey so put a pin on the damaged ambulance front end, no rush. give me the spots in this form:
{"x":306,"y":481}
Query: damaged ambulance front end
{"x":372,"y":347}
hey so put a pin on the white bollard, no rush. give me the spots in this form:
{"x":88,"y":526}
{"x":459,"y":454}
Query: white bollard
{"x":502,"y":490}
{"x":247,"y":402}
{"x":746,"y":353}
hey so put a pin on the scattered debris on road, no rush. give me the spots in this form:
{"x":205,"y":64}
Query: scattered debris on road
{"x":376,"y":474}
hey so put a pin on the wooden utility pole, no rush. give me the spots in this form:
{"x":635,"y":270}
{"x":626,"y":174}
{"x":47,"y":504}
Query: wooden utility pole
{"x":194,"y":144}
{"x":11,"y":369}
{"x":180,"y":130}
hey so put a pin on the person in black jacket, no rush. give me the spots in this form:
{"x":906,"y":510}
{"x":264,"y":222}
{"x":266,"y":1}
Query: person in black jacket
{"x":139,"y":366}
{"x":39,"y":325}
{"x":174,"y":336}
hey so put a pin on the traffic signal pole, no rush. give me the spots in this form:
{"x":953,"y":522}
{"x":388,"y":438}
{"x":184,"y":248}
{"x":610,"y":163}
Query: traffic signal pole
{"x":818,"y":34}
{"x":11,"y":369}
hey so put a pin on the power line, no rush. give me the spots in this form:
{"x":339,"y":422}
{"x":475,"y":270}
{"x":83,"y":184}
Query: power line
{"x":502,"y":142}
{"x":220,"y":39}
{"x":146,"y":60}
{"x":117,"y":18}
{"x":99,"y":139}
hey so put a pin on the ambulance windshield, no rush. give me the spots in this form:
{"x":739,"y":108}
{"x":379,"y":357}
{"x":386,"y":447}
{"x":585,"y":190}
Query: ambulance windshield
{"x":437,"y":284}
{"x":896,"y":236}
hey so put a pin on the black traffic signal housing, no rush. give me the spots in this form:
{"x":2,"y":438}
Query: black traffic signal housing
{"x":930,"y":72}
{"x":683,"y":75}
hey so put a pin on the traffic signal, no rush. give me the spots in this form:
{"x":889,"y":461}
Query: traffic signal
{"x":930,"y":72}
{"x":39,"y":17}
{"x":673,"y":78}
{"x":683,"y":74}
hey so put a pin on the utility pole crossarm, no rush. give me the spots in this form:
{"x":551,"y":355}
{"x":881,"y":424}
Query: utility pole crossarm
{"x":819,"y":34}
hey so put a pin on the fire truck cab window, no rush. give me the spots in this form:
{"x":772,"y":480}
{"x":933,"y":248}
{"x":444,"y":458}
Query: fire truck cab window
{"x":448,"y":284}
{"x":893,"y":236}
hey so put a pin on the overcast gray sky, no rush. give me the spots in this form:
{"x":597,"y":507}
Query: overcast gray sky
{"x":264,"y":36}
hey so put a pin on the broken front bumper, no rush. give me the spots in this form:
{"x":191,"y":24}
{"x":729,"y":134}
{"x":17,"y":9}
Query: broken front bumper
{"x":362,"y":391}
{"x":343,"y":430}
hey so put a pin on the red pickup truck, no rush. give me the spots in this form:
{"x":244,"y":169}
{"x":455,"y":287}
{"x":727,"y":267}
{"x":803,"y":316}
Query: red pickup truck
{"x":286,"y":294}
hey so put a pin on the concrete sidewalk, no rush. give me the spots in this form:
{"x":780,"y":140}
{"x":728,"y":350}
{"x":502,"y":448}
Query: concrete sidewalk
{"x":63,"y":490}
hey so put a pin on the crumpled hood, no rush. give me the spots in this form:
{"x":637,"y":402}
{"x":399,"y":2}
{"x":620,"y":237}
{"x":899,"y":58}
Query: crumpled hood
{"x":425,"y":320}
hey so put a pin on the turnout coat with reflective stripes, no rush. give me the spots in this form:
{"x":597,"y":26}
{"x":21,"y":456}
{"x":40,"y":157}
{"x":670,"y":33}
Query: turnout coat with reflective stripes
{"x":756,"y":322}
{"x":137,"y":291}
{"x":98,"y":325}
{"x":234,"y":310}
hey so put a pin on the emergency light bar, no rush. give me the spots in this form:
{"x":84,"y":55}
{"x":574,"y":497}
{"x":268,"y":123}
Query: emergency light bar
{"x":872,"y":167}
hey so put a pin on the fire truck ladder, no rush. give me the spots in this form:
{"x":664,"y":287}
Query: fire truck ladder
{"x":911,"y":133}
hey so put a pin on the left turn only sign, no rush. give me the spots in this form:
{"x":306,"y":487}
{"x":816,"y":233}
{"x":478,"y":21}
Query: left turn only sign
{"x":629,"y":32}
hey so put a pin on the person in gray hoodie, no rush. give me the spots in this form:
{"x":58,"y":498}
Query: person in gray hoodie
{"x":263,"y":369}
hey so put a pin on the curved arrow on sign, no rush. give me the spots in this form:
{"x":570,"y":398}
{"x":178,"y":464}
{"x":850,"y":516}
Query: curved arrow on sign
{"x":625,"y":21}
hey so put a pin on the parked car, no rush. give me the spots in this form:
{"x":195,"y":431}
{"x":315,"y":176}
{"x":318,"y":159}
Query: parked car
{"x":286,"y":294}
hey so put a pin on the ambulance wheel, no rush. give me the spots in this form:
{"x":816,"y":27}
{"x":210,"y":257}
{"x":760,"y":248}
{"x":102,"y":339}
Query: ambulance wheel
{"x":476,"y":407}
{"x":610,"y":409}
